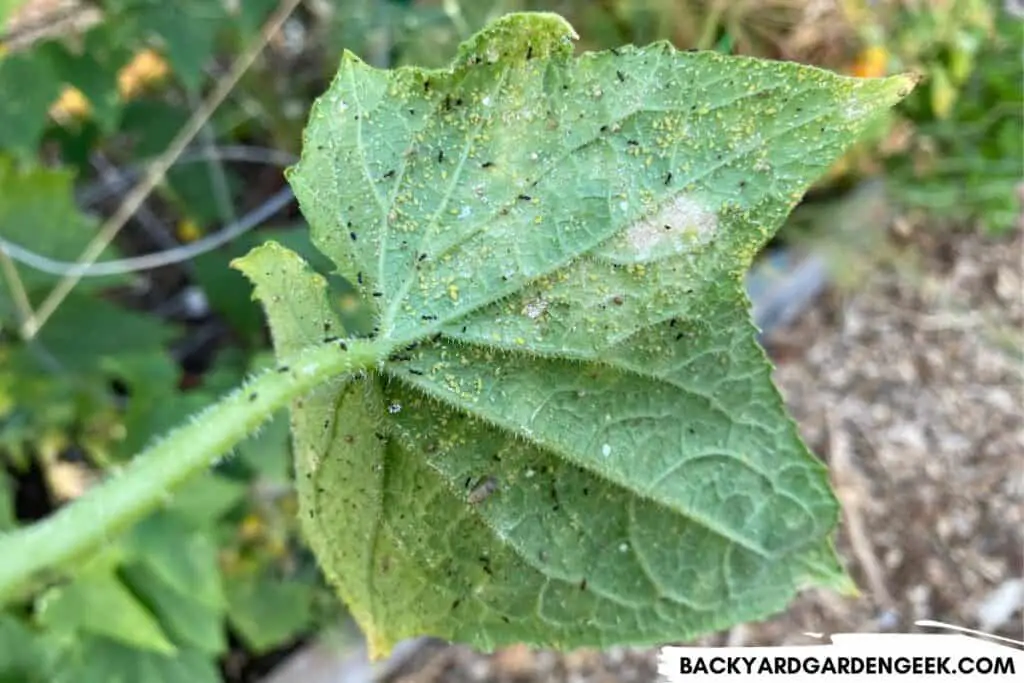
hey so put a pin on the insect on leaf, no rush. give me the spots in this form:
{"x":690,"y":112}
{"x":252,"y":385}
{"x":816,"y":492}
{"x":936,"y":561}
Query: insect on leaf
{"x":575,"y":439}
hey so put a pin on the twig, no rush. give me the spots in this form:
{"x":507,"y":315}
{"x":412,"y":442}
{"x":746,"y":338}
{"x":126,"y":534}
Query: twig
{"x":17,"y":287}
{"x":849,"y":484}
{"x":157,"y":170}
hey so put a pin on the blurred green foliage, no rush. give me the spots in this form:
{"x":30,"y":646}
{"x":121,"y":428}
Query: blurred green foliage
{"x":967,"y":158}
{"x":112,"y":369}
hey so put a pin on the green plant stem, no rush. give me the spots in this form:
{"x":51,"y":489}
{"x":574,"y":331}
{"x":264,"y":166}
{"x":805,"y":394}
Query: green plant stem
{"x":710,"y":27}
{"x":125,"y":497}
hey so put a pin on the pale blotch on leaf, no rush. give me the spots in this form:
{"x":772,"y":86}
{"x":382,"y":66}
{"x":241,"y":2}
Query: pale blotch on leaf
{"x":679,"y":226}
{"x":535,"y":309}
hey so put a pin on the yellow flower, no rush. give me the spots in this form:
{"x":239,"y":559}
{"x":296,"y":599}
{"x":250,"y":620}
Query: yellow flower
{"x":71,"y":104}
{"x":251,"y":528}
{"x":871,"y":63}
{"x":188,"y":231}
{"x":146,"y":68}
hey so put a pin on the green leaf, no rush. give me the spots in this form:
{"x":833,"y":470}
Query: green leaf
{"x":194,"y":191}
{"x":205,"y":499}
{"x":94,"y":70}
{"x":185,"y":30}
{"x":252,"y":14}
{"x":267,"y":452}
{"x":267,"y":612}
{"x":152,"y":124}
{"x":228,"y":292}
{"x":38,"y":212}
{"x":187,"y":621}
{"x":24,"y":656}
{"x":98,"y":603}
{"x":575,"y":440}
{"x":114,"y":331}
{"x":185,"y":560}
{"x":7,"y":518}
{"x":155,"y":404}
{"x":100,"y":659}
{"x":23,"y":118}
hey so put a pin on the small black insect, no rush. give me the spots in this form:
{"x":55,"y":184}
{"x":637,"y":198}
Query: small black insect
{"x":389,"y":174}
{"x":621,"y":76}
{"x":377,"y":294}
{"x":529,"y":51}
{"x":421,"y":257}
{"x":329,"y":340}
{"x":414,"y":371}
{"x":440,"y":156}
{"x":352,"y":235}
{"x":487,"y":164}
{"x":283,"y":368}
{"x":447,"y":102}
{"x":428,"y":317}
{"x":525,"y":197}
{"x":633,"y":143}
{"x":359,"y":277}
{"x":342,"y":345}
{"x":668,"y":178}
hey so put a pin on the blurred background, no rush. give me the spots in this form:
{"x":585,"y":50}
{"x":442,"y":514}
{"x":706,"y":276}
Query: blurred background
{"x":891,"y":305}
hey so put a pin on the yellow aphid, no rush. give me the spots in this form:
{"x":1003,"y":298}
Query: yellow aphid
{"x":146,"y":68}
{"x":188,"y":231}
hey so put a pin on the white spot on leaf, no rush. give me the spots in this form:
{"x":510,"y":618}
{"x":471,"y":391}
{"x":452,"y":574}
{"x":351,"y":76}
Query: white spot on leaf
{"x":681,"y":225}
{"x":606,"y":450}
{"x":535,"y":309}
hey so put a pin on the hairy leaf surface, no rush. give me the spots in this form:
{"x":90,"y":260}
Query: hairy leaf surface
{"x":574,"y":438}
